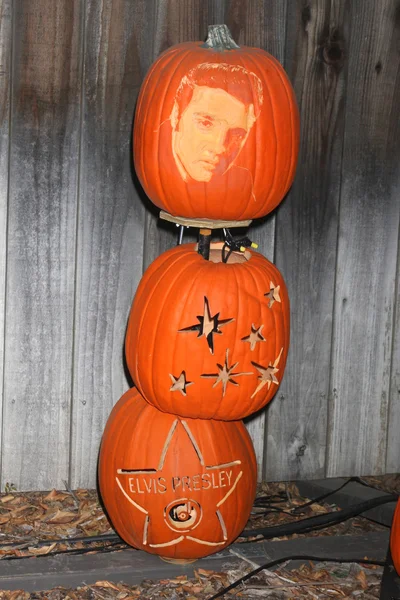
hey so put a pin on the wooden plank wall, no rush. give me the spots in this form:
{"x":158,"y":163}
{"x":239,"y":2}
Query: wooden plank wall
{"x":76,"y":231}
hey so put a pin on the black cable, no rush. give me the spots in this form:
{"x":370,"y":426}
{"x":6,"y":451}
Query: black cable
{"x":103,"y":550}
{"x":272,"y":563}
{"x":319,"y":521}
{"x":323,"y":496}
{"x":84,"y":538}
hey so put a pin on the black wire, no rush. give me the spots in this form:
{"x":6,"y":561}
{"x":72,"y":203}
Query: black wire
{"x":110,"y":548}
{"x":272,"y":563}
{"x":319,"y":521}
{"x":323,"y":496}
{"x":87,"y":539}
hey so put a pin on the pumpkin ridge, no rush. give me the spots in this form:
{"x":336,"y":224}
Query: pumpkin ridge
{"x":236,"y":276}
{"x":166,"y":294}
{"x":204,"y":266}
{"x":277,"y":145}
{"x":142,"y":285}
{"x":193,"y":258}
{"x":292,"y":105}
{"x":145,"y":95}
{"x":188,"y":297}
{"x":270,"y":269}
{"x":252,"y":275}
{"x":161,"y":107}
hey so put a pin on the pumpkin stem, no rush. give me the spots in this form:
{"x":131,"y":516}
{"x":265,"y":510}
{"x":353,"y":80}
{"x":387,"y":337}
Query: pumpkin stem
{"x":204,"y":243}
{"x":220,"y":38}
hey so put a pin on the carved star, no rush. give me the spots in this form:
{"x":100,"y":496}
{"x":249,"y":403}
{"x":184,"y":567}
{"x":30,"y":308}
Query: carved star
{"x":267,"y":376}
{"x":225,"y":374}
{"x":254,"y":336}
{"x":208,"y":325}
{"x":179,"y":384}
{"x":273,"y":294}
{"x":144,"y":488}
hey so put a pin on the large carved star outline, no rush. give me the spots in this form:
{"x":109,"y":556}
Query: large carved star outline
{"x":219,"y":518}
{"x":207,"y":325}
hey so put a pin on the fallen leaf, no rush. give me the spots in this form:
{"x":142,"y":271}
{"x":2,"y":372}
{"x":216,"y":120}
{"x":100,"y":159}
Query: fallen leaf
{"x":7,"y":498}
{"x":105,"y":584}
{"x":205,"y":572}
{"x":43,"y":550}
{"x":362,"y":578}
{"x":61,"y":516}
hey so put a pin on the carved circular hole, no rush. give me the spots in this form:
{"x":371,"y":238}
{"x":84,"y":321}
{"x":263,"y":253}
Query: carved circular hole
{"x":183,"y":514}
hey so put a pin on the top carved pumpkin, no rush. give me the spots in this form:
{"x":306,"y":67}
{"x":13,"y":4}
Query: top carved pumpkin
{"x":216,"y":130}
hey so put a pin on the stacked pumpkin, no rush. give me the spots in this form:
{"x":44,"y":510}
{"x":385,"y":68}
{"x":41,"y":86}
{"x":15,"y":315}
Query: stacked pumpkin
{"x":215,"y":143}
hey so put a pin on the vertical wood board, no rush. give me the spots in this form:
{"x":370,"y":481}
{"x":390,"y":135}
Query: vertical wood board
{"x":306,"y":235}
{"x":367,"y":252}
{"x":41,"y":241}
{"x":111,"y":221}
{"x":393,"y":437}
{"x":5,"y":89}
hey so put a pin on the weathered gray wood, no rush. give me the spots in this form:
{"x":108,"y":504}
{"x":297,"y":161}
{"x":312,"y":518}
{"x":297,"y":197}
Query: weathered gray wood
{"x":5,"y":87}
{"x":367,"y":251}
{"x":306,"y":240}
{"x":111,"y":219}
{"x":393,"y":439}
{"x":41,"y":241}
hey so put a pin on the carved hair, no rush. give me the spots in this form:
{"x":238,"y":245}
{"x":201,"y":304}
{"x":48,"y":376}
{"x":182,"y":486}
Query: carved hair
{"x":234,"y":79}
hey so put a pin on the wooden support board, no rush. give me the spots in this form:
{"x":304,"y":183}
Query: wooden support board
{"x":132,"y":566}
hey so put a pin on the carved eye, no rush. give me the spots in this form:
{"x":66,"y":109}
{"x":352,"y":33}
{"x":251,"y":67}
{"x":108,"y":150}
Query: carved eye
{"x":204,"y":122}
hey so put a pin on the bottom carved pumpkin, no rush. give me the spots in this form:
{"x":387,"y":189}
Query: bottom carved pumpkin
{"x":180,"y":488}
{"x":395,"y":538}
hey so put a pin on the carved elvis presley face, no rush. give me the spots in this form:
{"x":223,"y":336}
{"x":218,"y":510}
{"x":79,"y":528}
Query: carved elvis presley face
{"x":210,"y":133}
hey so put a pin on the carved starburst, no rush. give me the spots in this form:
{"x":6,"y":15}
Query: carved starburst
{"x":207,"y":325}
{"x":273,"y":294}
{"x":254,"y":337}
{"x":179,"y":384}
{"x":267,"y":376}
{"x":225,"y":374}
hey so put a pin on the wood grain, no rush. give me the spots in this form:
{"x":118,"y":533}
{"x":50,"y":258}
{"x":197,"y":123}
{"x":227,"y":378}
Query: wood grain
{"x":306,"y":240}
{"x":367,"y":251}
{"x":44,"y":154}
{"x":5,"y":85}
{"x":393,"y":438}
{"x":111,"y":220}
{"x":261,"y":25}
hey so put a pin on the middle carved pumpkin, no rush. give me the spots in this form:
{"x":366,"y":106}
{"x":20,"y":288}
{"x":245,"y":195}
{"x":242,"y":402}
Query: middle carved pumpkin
{"x":209,"y":339}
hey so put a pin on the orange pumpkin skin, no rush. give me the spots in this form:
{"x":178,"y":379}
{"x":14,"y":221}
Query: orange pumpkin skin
{"x":395,"y":538}
{"x":182,"y":489}
{"x":181,"y":371}
{"x":242,"y":175}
